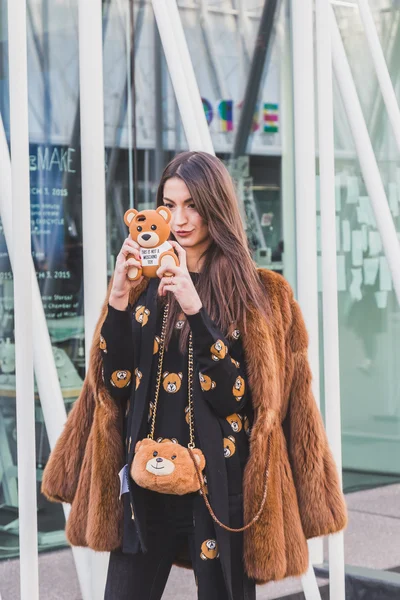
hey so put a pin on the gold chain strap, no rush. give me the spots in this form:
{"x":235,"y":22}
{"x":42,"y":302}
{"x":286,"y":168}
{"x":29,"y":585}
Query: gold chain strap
{"x":191,"y":444}
{"x":207,"y":502}
{"x":158,"y":381}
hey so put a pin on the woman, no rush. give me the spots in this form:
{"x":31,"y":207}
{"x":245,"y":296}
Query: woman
{"x":252,"y":399}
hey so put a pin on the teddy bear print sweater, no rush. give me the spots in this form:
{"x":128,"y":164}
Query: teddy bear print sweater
{"x":221,"y":372}
{"x":218,"y":365}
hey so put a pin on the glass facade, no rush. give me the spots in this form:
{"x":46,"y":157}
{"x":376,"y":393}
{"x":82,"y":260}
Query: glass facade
{"x":143,"y":131}
{"x":369,"y":316}
{"x":56,"y":225}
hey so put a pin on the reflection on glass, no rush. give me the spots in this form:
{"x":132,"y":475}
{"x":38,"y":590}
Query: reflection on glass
{"x":369,"y":317}
{"x":54,"y":158}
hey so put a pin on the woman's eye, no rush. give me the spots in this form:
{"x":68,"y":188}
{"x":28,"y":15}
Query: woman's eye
{"x":168,"y":205}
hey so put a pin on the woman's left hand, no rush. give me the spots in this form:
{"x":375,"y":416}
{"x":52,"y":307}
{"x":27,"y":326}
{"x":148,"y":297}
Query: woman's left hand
{"x":180,"y":284}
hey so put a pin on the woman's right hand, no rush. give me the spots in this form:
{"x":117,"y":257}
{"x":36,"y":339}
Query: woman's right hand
{"x":119,"y":296}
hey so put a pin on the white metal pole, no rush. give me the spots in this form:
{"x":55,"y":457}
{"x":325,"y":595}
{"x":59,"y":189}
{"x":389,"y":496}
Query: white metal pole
{"x":177,"y":73}
{"x":93,"y":166}
{"x":382,"y":71}
{"x":176,"y":23}
{"x":329,"y":272}
{"x":310,"y":584}
{"x":368,"y":164}
{"x":287,"y":177}
{"x":21,"y":228}
{"x":51,"y":399}
{"x":93,"y":198}
{"x":305,"y":187}
{"x":128,"y":39}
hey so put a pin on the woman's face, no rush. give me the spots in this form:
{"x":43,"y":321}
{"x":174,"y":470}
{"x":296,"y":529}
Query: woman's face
{"x":188,"y":227}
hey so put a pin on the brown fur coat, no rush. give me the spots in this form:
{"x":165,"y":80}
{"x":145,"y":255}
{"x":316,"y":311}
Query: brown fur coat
{"x":304,"y":496}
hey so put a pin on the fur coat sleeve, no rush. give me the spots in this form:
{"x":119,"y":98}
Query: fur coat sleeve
{"x":63,"y":470}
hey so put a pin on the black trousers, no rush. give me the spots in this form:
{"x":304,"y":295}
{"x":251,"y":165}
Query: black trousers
{"x":171,"y":534}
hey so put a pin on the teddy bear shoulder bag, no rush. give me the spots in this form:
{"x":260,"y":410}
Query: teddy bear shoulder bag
{"x":169,"y":468}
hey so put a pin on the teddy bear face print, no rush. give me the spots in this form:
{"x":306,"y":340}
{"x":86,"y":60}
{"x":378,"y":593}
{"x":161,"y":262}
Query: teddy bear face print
{"x":142,"y":315}
{"x":181,"y":321}
{"x":172,"y":382}
{"x":120,"y":379}
{"x":209,"y":550}
{"x":206,"y":383}
{"x":187,"y":414}
{"x":103,"y":344}
{"x":139,"y":376}
{"x":229,"y":446}
{"x":156,"y":346}
{"x":235,"y":421}
{"x":218,"y":350}
{"x":238,"y":388}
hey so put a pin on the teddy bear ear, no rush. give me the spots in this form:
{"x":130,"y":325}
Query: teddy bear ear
{"x":164,"y":212}
{"x":129,"y":215}
{"x":199,"y":456}
{"x":143,"y":443}
{"x":180,"y":375}
{"x":165,"y":374}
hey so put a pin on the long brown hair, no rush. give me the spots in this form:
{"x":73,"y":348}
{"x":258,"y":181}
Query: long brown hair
{"x":228,"y":283}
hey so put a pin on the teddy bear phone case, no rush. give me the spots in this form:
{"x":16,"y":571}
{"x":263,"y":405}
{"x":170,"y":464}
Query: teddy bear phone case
{"x":150,"y":229}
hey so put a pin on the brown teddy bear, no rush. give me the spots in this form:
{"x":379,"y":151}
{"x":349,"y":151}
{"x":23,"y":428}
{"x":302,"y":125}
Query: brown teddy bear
{"x":166,"y":467}
{"x":209,"y":550}
{"x":218,"y":350}
{"x":150,"y":229}
{"x":206,"y":383}
{"x":229,"y":446}
{"x":235,"y":421}
{"x":238,"y":388}
{"x":120,"y":379}
{"x":172,"y":382}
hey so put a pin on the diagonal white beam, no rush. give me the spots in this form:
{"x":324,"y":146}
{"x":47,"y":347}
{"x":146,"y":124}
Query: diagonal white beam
{"x":182,"y":74}
{"x":368,"y":164}
{"x":213,"y":60}
{"x":23,"y":326}
{"x":329,"y":273}
{"x":381,"y":69}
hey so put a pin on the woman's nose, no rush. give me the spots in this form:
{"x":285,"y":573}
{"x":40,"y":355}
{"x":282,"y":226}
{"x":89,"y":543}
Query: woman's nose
{"x":180,"y":217}
{"x":159,"y":459}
